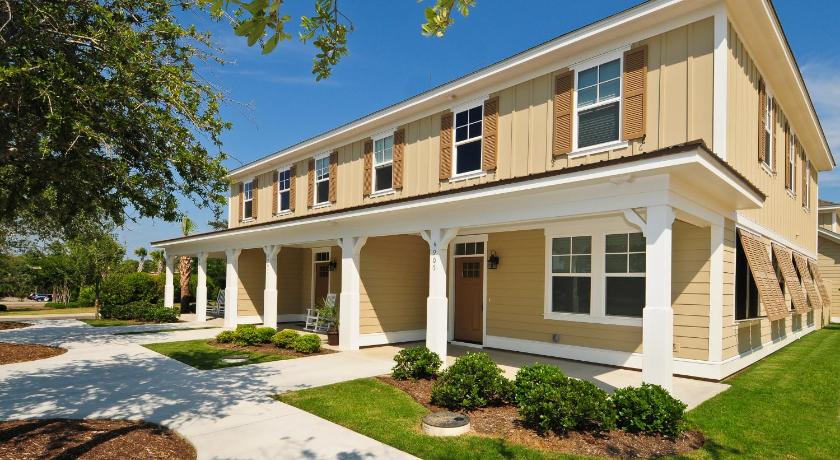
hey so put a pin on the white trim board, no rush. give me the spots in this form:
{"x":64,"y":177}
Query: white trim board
{"x":383,"y":338}
{"x":250,"y":319}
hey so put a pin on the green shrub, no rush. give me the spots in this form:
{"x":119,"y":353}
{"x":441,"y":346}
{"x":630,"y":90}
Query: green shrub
{"x":246,"y":334}
{"x":284,"y":338}
{"x":307,"y":343}
{"x":87,"y":296}
{"x":474,"y":380}
{"x":226,"y":337}
{"x":124,"y":288}
{"x":264,"y":334}
{"x":140,"y":311}
{"x":650,"y":409}
{"x":550,"y":401}
{"x":416,"y":363}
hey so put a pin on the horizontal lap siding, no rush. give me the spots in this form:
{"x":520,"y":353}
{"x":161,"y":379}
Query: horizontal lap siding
{"x":679,"y":101}
{"x":251,"y":282}
{"x":829,"y":263}
{"x":290,"y":276}
{"x":690,"y":290}
{"x":394,"y":284}
{"x":825,"y":221}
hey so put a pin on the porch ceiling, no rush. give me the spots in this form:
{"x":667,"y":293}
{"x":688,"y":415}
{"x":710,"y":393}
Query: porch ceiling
{"x":687,"y":176}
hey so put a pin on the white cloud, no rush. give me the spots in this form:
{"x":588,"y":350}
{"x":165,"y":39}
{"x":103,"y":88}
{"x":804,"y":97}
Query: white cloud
{"x":822,"y":76}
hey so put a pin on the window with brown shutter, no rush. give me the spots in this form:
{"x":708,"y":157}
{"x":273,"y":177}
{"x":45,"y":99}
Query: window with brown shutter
{"x":762,"y":101}
{"x":311,"y":182}
{"x":445,"y":169}
{"x":368,"y":167}
{"x":255,"y":194}
{"x":333,"y":176}
{"x":807,"y":281}
{"x":562,"y":117}
{"x":791,"y":280}
{"x":491,"y":134}
{"x":275,"y":191}
{"x":788,"y":147}
{"x":805,"y":167}
{"x":399,"y":153}
{"x":292,"y":187}
{"x":758,"y":260}
{"x":815,"y":272}
{"x":635,"y":92}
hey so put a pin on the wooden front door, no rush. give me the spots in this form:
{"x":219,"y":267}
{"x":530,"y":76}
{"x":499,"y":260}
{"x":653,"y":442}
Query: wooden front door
{"x":469,"y":292}
{"x":322,"y":281}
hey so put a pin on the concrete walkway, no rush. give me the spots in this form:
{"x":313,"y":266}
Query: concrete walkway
{"x":225,"y":413}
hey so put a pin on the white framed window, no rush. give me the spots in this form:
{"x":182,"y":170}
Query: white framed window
{"x":571,"y":274}
{"x":806,"y":187}
{"x":598,"y":103}
{"x":248,"y":200}
{"x":383,"y":163}
{"x":791,"y":181}
{"x":469,"y":248}
{"x":284,"y":185}
{"x":322,"y":179}
{"x":466,"y":154}
{"x":624,"y":266}
{"x":321,"y":255}
{"x":768,"y":132}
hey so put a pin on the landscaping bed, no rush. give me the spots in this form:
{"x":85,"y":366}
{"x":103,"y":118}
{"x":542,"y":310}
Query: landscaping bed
{"x":22,"y":352}
{"x":90,"y":440}
{"x":266,"y":348}
{"x":503,"y":421}
{"x":7,"y":325}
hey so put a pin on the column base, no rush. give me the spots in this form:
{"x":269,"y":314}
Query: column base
{"x":270,"y":308}
{"x":658,"y":346}
{"x":437,"y":322}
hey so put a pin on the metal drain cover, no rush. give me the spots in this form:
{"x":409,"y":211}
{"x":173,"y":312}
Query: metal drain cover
{"x":233,"y":359}
{"x":445,"y":424}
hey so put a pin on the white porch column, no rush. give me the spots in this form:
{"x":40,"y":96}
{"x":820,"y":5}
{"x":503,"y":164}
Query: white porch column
{"x":270,"y":292}
{"x":231,"y":286}
{"x":348,"y":313}
{"x":437,"y":304}
{"x":716,"y":294}
{"x":201,"y":289}
{"x":658,"y":314}
{"x":169,"y":286}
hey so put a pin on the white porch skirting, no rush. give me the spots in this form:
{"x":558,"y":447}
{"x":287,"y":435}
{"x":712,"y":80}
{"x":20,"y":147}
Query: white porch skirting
{"x":382,"y":338}
{"x":252,"y":319}
{"x":687,"y":367}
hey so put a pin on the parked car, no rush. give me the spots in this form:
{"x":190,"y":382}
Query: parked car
{"x":42,"y":297}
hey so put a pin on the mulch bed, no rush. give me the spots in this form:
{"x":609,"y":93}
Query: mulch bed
{"x":90,"y":440}
{"x":6,"y":325}
{"x":267,"y":348}
{"x":21,"y":352}
{"x":503,"y":422}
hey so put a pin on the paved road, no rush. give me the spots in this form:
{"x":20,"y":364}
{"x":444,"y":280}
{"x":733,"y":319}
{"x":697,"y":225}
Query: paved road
{"x":225,"y":413}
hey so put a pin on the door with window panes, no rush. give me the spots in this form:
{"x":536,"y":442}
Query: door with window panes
{"x":469,"y":292}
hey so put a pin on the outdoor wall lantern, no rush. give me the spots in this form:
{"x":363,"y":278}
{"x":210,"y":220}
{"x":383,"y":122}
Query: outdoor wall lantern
{"x":493,"y":261}
{"x":332,"y":265}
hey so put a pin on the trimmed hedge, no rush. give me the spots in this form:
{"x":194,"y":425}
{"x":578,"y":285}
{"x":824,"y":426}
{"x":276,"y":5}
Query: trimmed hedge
{"x":307,"y":343}
{"x":416,"y":363}
{"x":650,"y":409}
{"x":77,"y":304}
{"x":284,"y":338}
{"x":226,"y":337}
{"x":474,"y":380}
{"x":125,"y":288}
{"x":264,"y":334}
{"x":140,"y":311}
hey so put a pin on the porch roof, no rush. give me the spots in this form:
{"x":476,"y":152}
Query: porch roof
{"x":690,"y":163}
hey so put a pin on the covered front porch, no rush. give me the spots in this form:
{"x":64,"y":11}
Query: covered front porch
{"x":481,"y":267}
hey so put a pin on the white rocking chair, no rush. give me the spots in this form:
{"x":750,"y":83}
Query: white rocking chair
{"x":314,"y":321}
{"x":218,"y":310}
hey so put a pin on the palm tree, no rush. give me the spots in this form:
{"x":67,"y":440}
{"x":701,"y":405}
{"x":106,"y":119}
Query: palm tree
{"x":141,"y":254}
{"x":157,"y":258}
{"x":185,"y":264}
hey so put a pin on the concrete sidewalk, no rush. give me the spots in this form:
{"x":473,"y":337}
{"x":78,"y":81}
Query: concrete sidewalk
{"x":225,"y":413}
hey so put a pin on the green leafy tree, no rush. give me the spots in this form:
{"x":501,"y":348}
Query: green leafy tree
{"x":157,"y":257}
{"x":95,"y":258}
{"x":141,"y":254}
{"x":102,"y":113}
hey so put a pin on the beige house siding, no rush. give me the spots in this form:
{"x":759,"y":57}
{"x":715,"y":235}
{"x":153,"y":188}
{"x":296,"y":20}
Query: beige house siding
{"x":825,"y":221}
{"x":394,"y":284}
{"x":290,"y":276}
{"x":829,"y":263}
{"x":782,"y":211}
{"x":308,"y":275}
{"x":679,"y":101}
{"x":690,"y":290}
{"x":251,"y":282}
{"x":730,"y":331}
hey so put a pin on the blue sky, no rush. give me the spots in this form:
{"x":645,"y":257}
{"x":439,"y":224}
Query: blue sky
{"x":275,"y":101}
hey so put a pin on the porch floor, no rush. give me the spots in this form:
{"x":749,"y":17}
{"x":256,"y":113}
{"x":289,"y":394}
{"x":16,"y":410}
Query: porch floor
{"x":690,"y":391}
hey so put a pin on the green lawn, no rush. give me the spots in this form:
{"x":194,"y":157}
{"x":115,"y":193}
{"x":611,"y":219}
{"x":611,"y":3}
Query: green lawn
{"x":200,"y":355}
{"x":160,"y":331}
{"x":785,"y":406}
{"x":111,"y":322}
{"x":16,"y":311}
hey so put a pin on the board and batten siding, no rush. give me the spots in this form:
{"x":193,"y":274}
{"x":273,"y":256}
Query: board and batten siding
{"x":251,"y":282}
{"x":394,"y":273}
{"x":290,"y":281}
{"x":679,"y":109}
{"x":829,"y":263}
{"x":782,"y":211}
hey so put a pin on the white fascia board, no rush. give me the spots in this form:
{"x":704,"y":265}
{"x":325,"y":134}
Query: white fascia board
{"x":829,"y":235}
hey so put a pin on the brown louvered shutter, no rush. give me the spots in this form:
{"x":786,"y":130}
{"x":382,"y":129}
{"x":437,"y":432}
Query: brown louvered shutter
{"x":398,"y":154}
{"x":241,"y":201}
{"x":333,"y":176}
{"x":804,"y":179}
{"x":490,"y":141}
{"x":764,"y":275}
{"x":762,"y":105}
{"x":255,"y":194}
{"x":562,"y":116}
{"x":635,"y":92}
{"x":775,"y":146}
{"x":794,"y":287}
{"x":311,"y":181}
{"x":445,"y":169}
{"x":275,"y":191}
{"x":815,"y":271}
{"x":810,"y":288}
{"x":292,"y":187}
{"x":787,"y":157}
{"x":368,"y":166}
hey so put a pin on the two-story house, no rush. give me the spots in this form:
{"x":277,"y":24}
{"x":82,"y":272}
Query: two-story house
{"x":828,"y":246}
{"x":639,"y":192}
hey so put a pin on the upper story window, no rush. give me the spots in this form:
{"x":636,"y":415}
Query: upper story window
{"x":248,"y":200}
{"x":467,"y":154}
{"x":383,"y":163}
{"x":806,"y":187}
{"x":598,"y":107}
{"x":791,"y":170}
{"x":768,"y":133}
{"x":571,"y":274}
{"x":624,"y":263}
{"x":284,"y":184}
{"x":322,"y":179}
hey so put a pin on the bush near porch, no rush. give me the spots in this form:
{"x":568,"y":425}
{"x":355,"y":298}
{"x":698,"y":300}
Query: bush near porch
{"x":134,"y":297}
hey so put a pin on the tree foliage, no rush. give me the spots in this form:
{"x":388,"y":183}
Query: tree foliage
{"x":102,"y":111}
